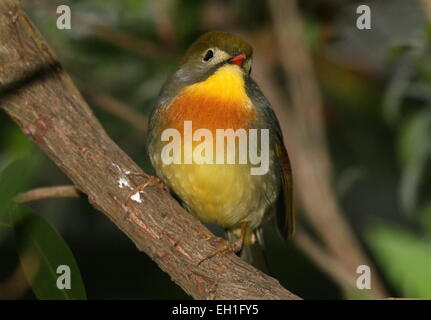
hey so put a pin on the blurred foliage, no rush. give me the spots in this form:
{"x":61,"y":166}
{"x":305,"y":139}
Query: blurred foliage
{"x":414,"y":154}
{"x":42,"y":250}
{"x":376,"y":90}
{"x":406,"y":259}
{"x":15,"y":177}
{"x":403,"y":254}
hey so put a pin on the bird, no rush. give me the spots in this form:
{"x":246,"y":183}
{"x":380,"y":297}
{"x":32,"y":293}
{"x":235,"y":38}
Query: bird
{"x":212,"y":89}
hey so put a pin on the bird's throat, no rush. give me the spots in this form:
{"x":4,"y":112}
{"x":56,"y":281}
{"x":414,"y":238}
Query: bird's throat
{"x":219,"y":102}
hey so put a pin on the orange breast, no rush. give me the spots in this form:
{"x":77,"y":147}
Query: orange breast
{"x":220,"y":102}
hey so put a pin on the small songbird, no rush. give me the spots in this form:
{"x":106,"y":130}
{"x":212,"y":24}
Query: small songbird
{"x":212,"y":89}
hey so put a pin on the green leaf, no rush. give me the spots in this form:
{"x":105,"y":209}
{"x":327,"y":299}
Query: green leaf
{"x":15,"y":178}
{"x":16,"y":143}
{"x":425,"y":217}
{"x":409,"y":185}
{"x":415,"y":137}
{"x":41,"y":251}
{"x":397,"y":88}
{"x":414,"y":151}
{"x":405,"y":258}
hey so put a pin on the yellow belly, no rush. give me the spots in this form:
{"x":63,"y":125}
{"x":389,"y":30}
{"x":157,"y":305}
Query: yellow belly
{"x":224,"y":194}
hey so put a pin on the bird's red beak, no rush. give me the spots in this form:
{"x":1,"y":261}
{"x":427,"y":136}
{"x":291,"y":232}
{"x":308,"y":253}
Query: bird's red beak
{"x":238,"y":59}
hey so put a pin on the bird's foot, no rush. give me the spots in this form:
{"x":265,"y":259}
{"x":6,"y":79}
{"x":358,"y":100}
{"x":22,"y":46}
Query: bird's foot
{"x":152,"y":181}
{"x":227,"y":247}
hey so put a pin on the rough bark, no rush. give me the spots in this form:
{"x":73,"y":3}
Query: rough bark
{"x":41,"y":98}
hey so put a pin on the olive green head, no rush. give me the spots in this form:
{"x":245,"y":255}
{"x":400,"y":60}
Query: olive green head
{"x":205,"y":56}
{"x":215,"y":48}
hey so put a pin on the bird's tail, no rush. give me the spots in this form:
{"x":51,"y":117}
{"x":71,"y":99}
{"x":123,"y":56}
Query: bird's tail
{"x":253,"y":252}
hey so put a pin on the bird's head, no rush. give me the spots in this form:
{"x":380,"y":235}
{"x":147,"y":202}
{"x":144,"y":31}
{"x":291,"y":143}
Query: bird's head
{"x":213,"y":50}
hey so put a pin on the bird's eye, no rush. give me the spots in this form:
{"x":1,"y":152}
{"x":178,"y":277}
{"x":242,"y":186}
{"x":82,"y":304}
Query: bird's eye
{"x":208,"y":55}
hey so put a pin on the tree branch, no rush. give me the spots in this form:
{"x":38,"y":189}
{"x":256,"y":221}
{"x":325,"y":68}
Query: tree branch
{"x":325,"y":260}
{"x":117,"y":108}
{"x":41,"y":98}
{"x":48,"y":193}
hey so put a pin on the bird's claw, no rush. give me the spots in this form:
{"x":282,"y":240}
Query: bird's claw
{"x":234,"y":247}
{"x":227,"y":247}
{"x":152,"y":181}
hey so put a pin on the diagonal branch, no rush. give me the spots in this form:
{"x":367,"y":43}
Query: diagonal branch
{"x":117,"y":108}
{"x":41,"y":98}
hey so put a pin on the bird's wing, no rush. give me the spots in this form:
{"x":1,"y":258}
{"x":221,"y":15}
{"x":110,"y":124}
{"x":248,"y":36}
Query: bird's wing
{"x":285,"y":205}
{"x":286,"y":212}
